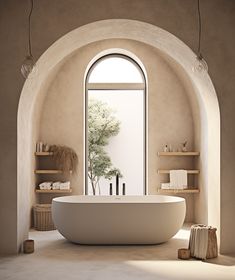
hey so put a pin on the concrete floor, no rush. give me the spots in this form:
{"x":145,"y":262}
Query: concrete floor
{"x":56,"y":258}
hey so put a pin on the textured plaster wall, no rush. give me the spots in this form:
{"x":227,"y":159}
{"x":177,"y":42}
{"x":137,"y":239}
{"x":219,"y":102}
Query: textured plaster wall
{"x":53,"y":19}
{"x":169,"y":113}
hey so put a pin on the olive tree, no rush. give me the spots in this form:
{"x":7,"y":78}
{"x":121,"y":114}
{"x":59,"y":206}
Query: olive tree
{"x":102,"y":125}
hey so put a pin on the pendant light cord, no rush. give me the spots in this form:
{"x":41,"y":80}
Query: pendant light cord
{"x":199,"y":29}
{"x":29,"y":29}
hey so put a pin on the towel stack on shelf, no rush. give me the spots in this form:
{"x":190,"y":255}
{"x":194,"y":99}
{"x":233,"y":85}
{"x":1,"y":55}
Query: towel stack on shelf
{"x":178,"y":180}
{"x":45,"y":186}
{"x":55,"y":185}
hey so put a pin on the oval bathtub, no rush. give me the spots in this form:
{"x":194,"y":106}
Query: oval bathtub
{"x":149,"y":219}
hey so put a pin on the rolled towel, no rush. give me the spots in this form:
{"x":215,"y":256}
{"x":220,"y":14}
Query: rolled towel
{"x":56,"y":185}
{"x":165,"y":186}
{"x":45,"y":186}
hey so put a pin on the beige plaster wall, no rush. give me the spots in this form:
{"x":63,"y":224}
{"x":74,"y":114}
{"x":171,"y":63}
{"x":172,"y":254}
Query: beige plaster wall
{"x":53,"y":19}
{"x":169,"y":113}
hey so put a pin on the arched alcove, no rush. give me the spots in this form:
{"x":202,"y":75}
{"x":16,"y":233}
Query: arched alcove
{"x":175,"y":51}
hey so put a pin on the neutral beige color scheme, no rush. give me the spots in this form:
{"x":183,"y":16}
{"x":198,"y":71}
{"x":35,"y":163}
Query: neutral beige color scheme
{"x":169,"y":117}
{"x":118,"y":219}
{"x":56,"y":258}
{"x":173,"y":49}
{"x":178,"y":17}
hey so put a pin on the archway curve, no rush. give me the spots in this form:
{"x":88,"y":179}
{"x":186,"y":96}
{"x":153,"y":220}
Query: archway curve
{"x":118,"y":29}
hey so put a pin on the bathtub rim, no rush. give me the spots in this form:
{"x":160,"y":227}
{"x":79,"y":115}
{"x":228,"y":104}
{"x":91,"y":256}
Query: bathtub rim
{"x":161,"y":199}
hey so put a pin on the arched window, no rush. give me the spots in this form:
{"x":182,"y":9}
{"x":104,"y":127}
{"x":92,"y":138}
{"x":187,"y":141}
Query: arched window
{"x":115,"y":127}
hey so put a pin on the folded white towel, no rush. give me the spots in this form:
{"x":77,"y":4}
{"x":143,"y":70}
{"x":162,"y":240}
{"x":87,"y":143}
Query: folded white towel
{"x":182,"y":179}
{"x":165,"y":186}
{"x":56,"y":185}
{"x":45,"y":186}
{"x":65,"y":185}
{"x":178,"y":179}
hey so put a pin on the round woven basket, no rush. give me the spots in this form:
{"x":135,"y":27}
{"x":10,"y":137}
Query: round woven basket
{"x":42,"y":217}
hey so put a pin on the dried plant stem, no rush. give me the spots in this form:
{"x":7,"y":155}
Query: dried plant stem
{"x":66,"y":158}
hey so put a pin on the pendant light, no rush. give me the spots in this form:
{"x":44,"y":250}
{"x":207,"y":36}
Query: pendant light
{"x":200,"y":64}
{"x":28,"y":65}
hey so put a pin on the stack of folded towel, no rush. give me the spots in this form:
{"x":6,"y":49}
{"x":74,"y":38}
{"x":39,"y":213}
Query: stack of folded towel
{"x":55,"y":185}
{"x":61,"y":185}
{"x":45,"y":186}
{"x":178,"y":180}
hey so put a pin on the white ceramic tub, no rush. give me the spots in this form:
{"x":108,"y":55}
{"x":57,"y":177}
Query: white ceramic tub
{"x":118,"y":219}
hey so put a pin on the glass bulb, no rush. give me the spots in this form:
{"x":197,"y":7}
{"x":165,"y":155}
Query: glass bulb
{"x":28,"y":68}
{"x":200,"y":65}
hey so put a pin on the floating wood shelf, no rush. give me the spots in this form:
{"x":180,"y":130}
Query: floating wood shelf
{"x":53,"y":191}
{"x":49,"y":171}
{"x":167,"y":171}
{"x":43,"y":153}
{"x":178,"y":153}
{"x":189,"y":190}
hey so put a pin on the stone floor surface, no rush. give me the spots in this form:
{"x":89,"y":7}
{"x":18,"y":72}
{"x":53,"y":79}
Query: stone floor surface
{"x":56,"y":258}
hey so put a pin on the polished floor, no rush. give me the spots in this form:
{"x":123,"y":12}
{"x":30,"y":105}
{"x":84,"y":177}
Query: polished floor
{"x":55,"y":258}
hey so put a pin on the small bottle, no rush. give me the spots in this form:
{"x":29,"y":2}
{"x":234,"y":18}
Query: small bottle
{"x":165,"y":149}
{"x":123,"y":189}
{"x":110,"y":189}
{"x":40,"y":146}
{"x":184,"y":148}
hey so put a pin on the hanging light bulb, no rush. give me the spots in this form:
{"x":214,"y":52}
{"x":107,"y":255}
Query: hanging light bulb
{"x":200,"y":64}
{"x":28,"y":68}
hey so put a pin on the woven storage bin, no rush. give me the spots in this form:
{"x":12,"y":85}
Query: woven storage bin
{"x":42,"y":217}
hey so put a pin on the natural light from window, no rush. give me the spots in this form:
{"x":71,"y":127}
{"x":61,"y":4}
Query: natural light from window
{"x":115,"y":70}
{"x":115,"y":127}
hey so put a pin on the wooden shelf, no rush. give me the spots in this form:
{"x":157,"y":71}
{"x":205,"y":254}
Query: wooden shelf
{"x":167,"y":171}
{"x":49,"y":171}
{"x":178,"y":153}
{"x":53,"y":191}
{"x":189,"y":190}
{"x":43,"y":153}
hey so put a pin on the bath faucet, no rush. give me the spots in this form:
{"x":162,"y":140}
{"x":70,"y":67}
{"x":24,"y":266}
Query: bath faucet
{"x":110,"y":189}
{"x":117,"y":184}
{"x":123,"y":189}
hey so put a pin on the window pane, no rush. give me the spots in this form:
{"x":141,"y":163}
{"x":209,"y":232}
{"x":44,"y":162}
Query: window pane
{"x":126,"y":148}
{"x":115,"y":70}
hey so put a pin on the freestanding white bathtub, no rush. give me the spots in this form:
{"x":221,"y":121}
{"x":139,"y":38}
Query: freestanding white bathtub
{"x":149,"y":219}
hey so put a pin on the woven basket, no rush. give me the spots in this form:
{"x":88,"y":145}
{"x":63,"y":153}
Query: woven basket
{"x":42,"y":217}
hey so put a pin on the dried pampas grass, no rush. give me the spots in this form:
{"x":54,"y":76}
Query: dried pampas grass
{"x":66,"y":158}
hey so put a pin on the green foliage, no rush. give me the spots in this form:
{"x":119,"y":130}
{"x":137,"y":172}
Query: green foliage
{"x":102,"y":125}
